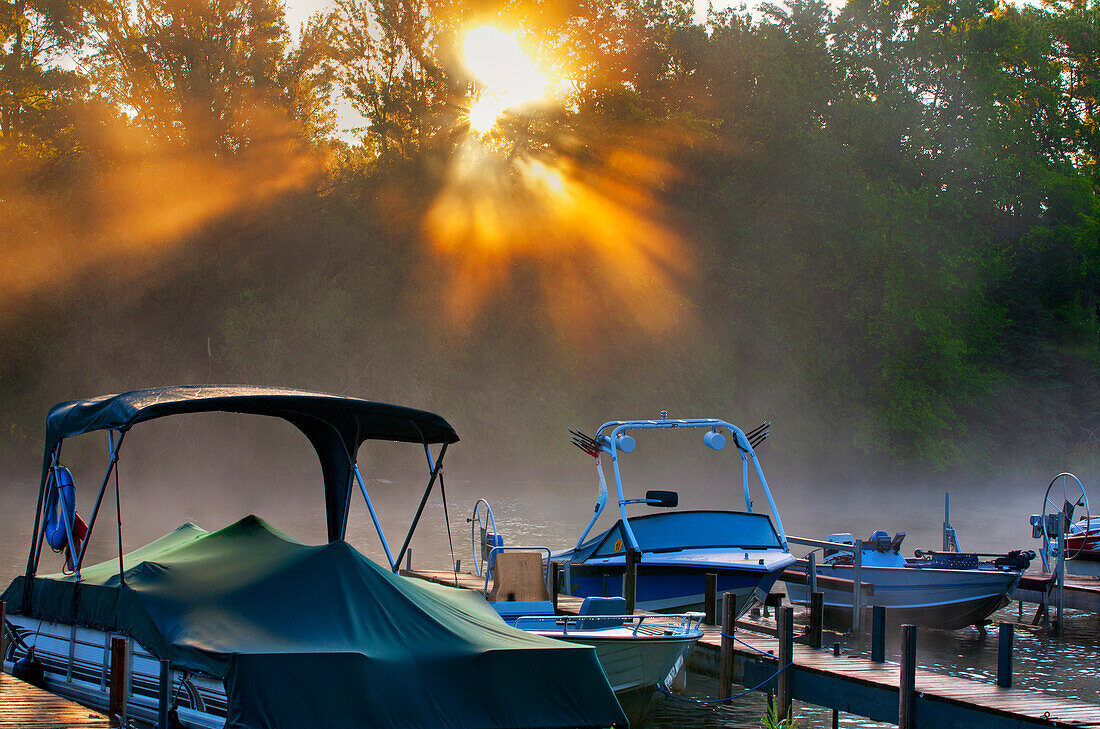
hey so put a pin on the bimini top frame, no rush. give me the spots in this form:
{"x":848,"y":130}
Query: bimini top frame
{"x":336,"y":426}
{"x":608,"y":437}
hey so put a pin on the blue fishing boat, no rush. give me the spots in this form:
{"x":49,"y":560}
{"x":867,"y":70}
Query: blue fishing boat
{"x":676,"y":548}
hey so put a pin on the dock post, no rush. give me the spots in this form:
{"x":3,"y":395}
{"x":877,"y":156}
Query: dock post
{"x":878,"y":633}
{"x":1005,"y":635}
{"x":785,"y":632}
{"x":630,"y":579}
{"x":162,"y":693}
{"x":710,"y":598}
{"x":555,"y":580}
{"x":811,"y":572}
{"x":408,"y":559}
{"x":947,"y":521}
{"x":907,"y":681}
{"x":817,"y":617}
{"x":116,"y":702}
{"x":1059,"y":630}
{"x":725,"y":658}
{"x":857,"y":583}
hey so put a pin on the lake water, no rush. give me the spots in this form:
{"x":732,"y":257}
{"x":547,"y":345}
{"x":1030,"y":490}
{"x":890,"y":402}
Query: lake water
{"x":990,"y":517}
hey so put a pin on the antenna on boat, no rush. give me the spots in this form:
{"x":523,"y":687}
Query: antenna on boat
{"x":757,"y":435}
{"x":585,"y":442}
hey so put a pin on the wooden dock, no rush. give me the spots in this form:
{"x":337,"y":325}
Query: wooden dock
{"x":1082,"y":593}
{"x":866,"y":688}
{"x":23,"y":706}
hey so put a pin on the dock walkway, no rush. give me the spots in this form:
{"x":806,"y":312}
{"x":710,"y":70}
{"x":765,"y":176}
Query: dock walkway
{"x":1082,"y":593}
{"x":866,"y":688}
{"x":23,"y":706}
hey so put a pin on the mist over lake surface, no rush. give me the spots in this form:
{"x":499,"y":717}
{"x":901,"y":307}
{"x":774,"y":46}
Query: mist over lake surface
{"x":212,"y":469}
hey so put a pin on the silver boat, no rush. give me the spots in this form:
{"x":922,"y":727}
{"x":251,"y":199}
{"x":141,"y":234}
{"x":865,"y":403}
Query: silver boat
{"x":947,"y":590}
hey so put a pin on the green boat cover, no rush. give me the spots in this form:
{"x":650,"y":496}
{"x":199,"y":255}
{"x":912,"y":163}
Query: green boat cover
{"x":320,"y":636}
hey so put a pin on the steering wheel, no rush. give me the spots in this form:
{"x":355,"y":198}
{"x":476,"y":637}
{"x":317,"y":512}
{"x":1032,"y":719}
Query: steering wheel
{"x":1073,"y":495}
{"x":482,"y":518}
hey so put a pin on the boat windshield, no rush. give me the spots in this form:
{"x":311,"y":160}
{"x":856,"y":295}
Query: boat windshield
{"x":679,"y":530}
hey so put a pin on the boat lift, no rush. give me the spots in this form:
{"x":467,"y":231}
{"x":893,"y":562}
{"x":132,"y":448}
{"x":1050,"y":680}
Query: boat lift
{"x":1052,"y":525}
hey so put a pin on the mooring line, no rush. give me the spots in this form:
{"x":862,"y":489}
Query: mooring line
{"x":663,"y":689}
{"x":748,"y":645}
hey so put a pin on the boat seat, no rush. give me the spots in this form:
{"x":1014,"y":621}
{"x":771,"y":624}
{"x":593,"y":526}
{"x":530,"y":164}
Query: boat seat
{"x":518,"y":577}
{"x":602,"y":606}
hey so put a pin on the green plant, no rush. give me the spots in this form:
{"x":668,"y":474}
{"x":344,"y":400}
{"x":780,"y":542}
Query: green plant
{"x":772,"y":721}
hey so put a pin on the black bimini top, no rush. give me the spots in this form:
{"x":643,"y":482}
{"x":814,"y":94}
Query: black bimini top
{"x":335,"y":425}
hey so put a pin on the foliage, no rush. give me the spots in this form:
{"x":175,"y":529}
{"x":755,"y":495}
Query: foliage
{"x":884,"y":217}
{"x":772,"y":721}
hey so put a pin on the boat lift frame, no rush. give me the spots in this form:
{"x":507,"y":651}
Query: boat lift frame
{"x":607,"y":436}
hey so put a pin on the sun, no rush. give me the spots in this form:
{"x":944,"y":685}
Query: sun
{"x":507,"y":77}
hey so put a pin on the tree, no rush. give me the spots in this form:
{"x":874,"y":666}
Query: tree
{"x":209,"y":73}
{"x":34,"y":90}
{"x":389,"y":66}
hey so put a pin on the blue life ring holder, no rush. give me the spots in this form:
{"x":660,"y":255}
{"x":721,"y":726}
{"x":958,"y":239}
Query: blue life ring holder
{"x":60,"y":508}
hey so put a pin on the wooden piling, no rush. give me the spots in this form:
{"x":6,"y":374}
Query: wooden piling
{"x":555,"y":581}
{"x":408,"y":559}
{"x":710,"y":598}
{"x":817,"y":618}
{"x":1005,"y":635}
{"x":785,"y":625}
{"x":857,"y":593}
{"x":630,"y":579}
{"x":811,"y":571}
{"x":878,"y":633}
{"x":907,"y":681}
{"x":163,"y":693}
{"x":725,"y":657}
{"x":116,"y":703}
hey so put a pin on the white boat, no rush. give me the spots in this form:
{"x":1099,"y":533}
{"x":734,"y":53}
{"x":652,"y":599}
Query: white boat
{"x":643,"y":656}
{"x":947,"y":590}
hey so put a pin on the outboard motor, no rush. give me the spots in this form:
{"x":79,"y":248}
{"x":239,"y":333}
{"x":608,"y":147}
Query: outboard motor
{"x":1017,"y":559}
{"x":879,"y":541}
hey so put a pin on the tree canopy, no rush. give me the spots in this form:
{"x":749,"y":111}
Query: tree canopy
{"x":880,"y":219}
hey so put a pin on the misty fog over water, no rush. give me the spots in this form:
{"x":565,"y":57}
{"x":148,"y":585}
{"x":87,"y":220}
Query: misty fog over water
{"x":213,"y":469}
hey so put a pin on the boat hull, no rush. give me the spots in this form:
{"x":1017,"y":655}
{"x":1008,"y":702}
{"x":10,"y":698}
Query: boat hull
{"x":1085,"y":547}
{"x":671,"y":587}
{"x":634,"y":668}
{"x":938,"y":598}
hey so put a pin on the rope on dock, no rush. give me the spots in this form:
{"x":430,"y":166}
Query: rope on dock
{"x":663,"y":689}
{"x":748,"y":645}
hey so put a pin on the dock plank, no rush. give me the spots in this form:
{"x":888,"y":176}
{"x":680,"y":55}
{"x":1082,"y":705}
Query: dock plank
{"x":23,"y":706}
{"x":1007,"y":707}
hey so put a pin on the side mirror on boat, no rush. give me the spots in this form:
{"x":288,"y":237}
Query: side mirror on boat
{"x":663,"y":499}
